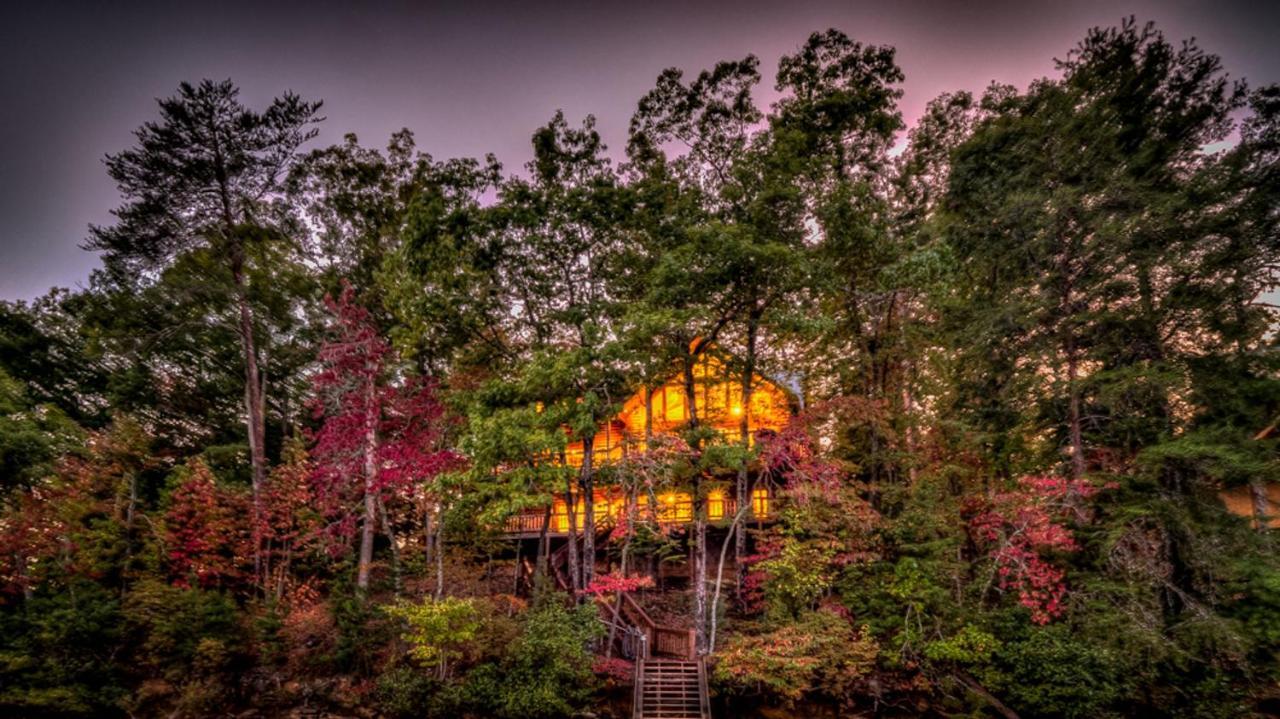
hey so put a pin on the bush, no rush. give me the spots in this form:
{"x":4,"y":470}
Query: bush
{"x":404,"y":692}
{"x":818,"y":655}
{"x":437,"y":630}
{"x":192,"y":638}
{"x":1050,"y":672}
{"x":58,"y":654}
{"x":548,"y":671}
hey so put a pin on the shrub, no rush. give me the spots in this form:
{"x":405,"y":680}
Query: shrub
{"x":819,"y":654}
{"x":437,"y":630}
{"x":548,"y":671}
{"x":404,"y":691}
{"x":58,"y":654}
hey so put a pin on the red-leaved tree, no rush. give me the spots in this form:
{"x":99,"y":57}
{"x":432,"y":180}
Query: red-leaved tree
{"x":206,"y":541}
{"x":1022,"y":528}
{"x":291,"y":523}
{"x":381,"y":434}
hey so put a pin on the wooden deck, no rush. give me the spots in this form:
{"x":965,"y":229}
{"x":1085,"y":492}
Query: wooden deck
{"x":720,"y":510}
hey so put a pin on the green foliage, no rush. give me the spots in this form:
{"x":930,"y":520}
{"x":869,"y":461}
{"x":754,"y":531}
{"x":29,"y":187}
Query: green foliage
{"x":60,"y":654}
{"x":547,"y":671}
{"x":1056,"y":281}
{"x":180,"y":631}
{"x":798,"y":577}
{"x":406,"y":692}
{"x":970,"y":645}
{"x":32,"y":436}
{"x":1052,"y":672}
{"x":437,"y":629}
{"x":362,"y":630}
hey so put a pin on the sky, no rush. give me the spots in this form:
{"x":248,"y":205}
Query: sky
{"x":76,"y":79}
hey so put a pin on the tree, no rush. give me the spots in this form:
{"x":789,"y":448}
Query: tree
{"x":46,"y":345}
{"x":437,"y":629}
{"x":562,"y":230}
{"x":32,"y":436}
{"x":838,"y":117}
{"x":207,"y":175}
{"x":379,"y":435}
{"x":688,"y":295}
{"x":1089,"y":235}
{"x":205,"y":531}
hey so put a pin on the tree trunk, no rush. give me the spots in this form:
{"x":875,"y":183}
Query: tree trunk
{"x":370,"y":497}
{"x":699,"y":575}
{"x":691,"y":392}
{"x":715,"y":597}
{"x":575,"y":571}
{"x":428,"y":536}
{"x":648,"y":416}
{"x":391,"y":539}
{"x":440,"y":555}
{"x":1261,"y":504}
{"x":254,"y":404}
{"x":253,"y":392}
{"x":1073,"y":387}
{"x":742,"y":489}
{"x":586,"y":482}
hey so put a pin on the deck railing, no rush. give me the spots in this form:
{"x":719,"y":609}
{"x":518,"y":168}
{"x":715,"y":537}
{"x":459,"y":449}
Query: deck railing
{"x":526,"y":522}
{"x":719,"y":509}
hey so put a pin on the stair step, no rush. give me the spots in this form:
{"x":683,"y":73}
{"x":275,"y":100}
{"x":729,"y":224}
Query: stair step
{"x":670,"y":689}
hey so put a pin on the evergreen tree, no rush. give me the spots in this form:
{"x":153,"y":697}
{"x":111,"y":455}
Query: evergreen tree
{"x":206,"y":176}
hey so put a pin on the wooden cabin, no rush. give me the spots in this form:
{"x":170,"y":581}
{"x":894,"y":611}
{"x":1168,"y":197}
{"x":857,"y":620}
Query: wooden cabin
{"x":720,"y":406}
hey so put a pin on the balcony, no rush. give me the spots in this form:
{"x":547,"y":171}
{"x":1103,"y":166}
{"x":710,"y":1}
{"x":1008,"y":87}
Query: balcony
{"x":672,"y":509}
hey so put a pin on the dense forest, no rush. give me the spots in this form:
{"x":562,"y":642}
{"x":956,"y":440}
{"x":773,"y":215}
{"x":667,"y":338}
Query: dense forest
{"x":263,"y":463}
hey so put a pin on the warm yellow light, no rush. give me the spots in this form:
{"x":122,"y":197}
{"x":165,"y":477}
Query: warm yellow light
{"x":715,"y":505}
{"x":737,"y":410}
{"x":760,"y":502}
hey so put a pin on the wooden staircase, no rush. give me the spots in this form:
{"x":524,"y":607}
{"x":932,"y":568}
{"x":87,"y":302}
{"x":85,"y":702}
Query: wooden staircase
{"x":670,"y":689}
{"x":670,"y":680}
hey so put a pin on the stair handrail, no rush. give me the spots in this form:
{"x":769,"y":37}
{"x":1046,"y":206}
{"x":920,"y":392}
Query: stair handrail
{"x":637,"y":693}
{"x":627,"y":628}
{"x":635,"y":616}
{"x":704,"y":701}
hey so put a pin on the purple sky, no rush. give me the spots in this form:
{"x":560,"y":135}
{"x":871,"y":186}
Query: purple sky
{"x":473,"y":77}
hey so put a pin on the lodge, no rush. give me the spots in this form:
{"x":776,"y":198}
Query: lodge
{"x":660,"y":410}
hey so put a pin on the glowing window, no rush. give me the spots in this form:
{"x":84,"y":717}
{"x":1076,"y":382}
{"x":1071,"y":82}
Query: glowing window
{"x":673,"y":404}
{"x":715,"y":505}
{"x":760,"y":502}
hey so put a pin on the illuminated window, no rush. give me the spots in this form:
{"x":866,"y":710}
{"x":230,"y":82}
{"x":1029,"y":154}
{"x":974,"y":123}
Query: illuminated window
{"x":760,"y":502}
{"x":715,"y":505}
{"x":673,"y":405}
{"x":675,"y":508}
{"x":559,"y":517}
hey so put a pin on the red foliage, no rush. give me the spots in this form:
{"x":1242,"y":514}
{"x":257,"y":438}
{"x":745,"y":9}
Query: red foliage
{"x":286,"y":500}
{"x":1018,"y":528}
{"x":290,"y":522}
{"x":364,"y":409}
{"x":603,"y":584}
{"x":646,"y":474}
{"x":205,"y":537}
{"x":792,"y":455}
{"x":755,"y":579}
{"x":56,"y":529}
{"x":618,"y":669}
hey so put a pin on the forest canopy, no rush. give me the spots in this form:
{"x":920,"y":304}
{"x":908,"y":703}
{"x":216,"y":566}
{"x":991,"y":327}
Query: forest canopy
{"x":268,"y":459}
